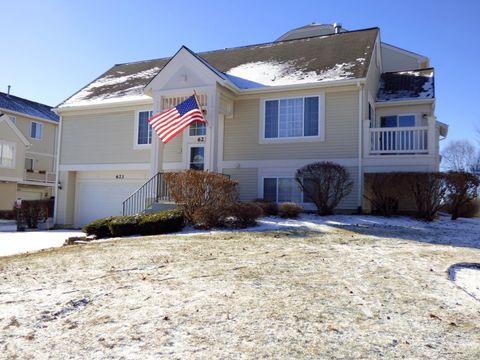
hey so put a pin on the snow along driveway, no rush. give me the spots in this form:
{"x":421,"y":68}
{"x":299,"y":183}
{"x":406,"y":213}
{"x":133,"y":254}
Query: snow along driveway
{"x":12,"y":242}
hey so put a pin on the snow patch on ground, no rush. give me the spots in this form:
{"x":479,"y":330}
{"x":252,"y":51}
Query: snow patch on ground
{"x":20,"y":242}
{"x":264,"y":73}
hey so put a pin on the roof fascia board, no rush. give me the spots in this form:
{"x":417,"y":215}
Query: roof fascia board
{"x":403,"y":102}
{"x":116,"y":106}
{"x":14,"y":128}
{"x":29,"y":116}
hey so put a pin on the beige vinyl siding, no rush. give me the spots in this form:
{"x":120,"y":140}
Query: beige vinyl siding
{"x":42,"y":162}
{"x":247,"y":178}
{"x":66,"y":197}
{"x":172,"y":151}
{"x":241,"y":140}
{"x":8,"y":194}
{"x":44,"y":145}
{"x":100,"y":139}
{"x":350,"y":201}
{"x":8,"y":135}
{"x":398,"y":60}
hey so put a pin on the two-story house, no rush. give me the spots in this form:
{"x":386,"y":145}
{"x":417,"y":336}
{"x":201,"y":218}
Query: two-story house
{"x":28,"y":147}
{"x":318,"y":93}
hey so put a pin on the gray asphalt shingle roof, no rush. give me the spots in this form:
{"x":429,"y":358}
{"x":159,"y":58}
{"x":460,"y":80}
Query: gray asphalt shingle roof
{"x":313,"y":55}
{"x":27,"y":107}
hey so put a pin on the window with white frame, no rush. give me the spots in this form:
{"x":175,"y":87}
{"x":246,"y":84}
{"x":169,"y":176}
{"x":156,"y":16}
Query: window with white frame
{"x":197,"y":129}
{"x":283,"y":189}
{"x":292,"y":118}
{"x":36,"y":131}
{"x":7,"y":155}
{"x":144,"y":130}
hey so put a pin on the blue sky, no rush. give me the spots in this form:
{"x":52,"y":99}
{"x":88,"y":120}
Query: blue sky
{"x":53,"y":48}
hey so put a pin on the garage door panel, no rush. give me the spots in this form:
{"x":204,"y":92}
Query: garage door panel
{"x":97,"y":198}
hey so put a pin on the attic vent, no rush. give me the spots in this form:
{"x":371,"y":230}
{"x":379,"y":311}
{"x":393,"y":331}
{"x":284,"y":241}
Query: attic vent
{"x":337,"y":27}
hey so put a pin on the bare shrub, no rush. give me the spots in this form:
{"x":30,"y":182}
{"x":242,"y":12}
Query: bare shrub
{"x":462,"y":190}
{"x":269,"y":208}
{"x":242,"y":215}
{"x":429,"y":191}
{"x":196,"y":191}
{"x":325,"y":184}
{"x":289,"y":210}
{"x":383,"y":191}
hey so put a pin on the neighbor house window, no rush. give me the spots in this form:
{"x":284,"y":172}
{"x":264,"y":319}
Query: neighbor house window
{"x":292,"y":118}
{"x":7,"y":155}
{"x":282,"y":189}
{"x":197,"y":129}
{"x":29,"y":164}
{"x":36,"y":131}
{"x":12,"y":118}
{"x":144,"y":130}
{"x":397,"y":121}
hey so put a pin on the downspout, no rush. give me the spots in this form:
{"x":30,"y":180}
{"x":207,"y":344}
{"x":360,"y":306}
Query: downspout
{"x":55,"y":206}
{"x":360,"y":129}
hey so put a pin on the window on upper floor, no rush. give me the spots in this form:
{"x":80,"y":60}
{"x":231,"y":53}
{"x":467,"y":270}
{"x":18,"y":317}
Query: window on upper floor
{"x":292,"y":118}
{"x":197,"y":129}
{"x":143,"y":130}
{"x":397,"y":121}
{"x":36,"y":131}
{"x":12,"y":118}
{"x":7,"y":154}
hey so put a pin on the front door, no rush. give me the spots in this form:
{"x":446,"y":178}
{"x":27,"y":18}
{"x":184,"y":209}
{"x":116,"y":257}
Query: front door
{"x":197,"y":157}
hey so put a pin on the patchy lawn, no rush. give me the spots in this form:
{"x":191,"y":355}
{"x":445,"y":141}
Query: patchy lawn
{"x":340,"y":291}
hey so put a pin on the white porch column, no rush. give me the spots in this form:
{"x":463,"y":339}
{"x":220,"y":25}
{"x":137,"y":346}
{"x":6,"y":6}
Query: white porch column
{"x":431,"y":136}
{"x":367,"y":139}
{"x":156,"y":154}
{"x":211,"y":143}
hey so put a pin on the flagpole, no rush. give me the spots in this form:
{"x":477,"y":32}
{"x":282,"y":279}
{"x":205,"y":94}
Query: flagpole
{"x":199,"y":106}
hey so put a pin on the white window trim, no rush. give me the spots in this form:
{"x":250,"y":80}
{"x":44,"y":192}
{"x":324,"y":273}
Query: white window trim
{"x":196,"y":136}
{"x":262,"y":187}
{"x":41,"y":131}
{"x":14,"y":162}
{"x":321,"y":121}
{"x":379,"y":118}
{"x":136,"y":145}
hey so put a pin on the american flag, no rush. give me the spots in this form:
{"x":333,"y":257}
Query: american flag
{"x":171,"y":122}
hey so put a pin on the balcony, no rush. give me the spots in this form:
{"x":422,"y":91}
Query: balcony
{"x":39,"y":177}
{"x":415,"y":140}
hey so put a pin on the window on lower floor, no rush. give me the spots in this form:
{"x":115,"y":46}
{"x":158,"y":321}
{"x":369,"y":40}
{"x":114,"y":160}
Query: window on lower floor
{"x":283,"y":189}
{"x":144,"y":130}
{"x":292,"y":118}
{"x":36,"y":131}
{"x":7,"y":155}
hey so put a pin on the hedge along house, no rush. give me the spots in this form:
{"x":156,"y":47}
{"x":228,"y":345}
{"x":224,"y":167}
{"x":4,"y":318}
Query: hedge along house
{"x":318,"y":93}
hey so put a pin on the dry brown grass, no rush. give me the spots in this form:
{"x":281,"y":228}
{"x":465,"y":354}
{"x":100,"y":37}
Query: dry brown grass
{"x":340,"y":294}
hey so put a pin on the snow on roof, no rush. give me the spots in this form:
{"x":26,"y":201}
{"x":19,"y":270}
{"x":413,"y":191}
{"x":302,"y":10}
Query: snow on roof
{"x":260,"y":73}
{"x":407,"y":85}
{"x":130,"y":87}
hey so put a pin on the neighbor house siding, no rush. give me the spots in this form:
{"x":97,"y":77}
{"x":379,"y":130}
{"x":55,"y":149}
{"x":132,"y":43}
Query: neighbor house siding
{"x":9,"y":136}
{"x":247,"y":178}
{"x":8,"y":194}
{"x":46,"y":144}
{"x":242,"y":142}
{"x":103,"y":138}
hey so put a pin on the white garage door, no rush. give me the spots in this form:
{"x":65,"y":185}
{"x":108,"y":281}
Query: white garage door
{"x":101,"y":194}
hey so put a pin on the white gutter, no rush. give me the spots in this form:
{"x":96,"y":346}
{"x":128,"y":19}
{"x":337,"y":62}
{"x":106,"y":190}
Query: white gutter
{"x":103,"y":105}
{"x":55,"y":206}
{"x":360,"y":130}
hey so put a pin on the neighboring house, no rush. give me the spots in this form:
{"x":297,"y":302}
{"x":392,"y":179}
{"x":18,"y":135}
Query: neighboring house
{"x":28,"y":144}
{"x":337,"y":95}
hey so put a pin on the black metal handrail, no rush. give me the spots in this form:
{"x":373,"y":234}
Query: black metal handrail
{"x":154,"y":190}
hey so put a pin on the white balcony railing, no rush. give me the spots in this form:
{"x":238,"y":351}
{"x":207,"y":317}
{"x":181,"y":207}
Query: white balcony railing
{"x":407,"y":140}
{"x":414,"y":140}
{"x":43,"y":177}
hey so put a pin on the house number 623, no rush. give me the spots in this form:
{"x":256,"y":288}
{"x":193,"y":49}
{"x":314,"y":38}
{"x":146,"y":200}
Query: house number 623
{"x":119,"y":176}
